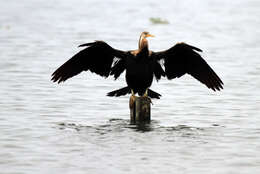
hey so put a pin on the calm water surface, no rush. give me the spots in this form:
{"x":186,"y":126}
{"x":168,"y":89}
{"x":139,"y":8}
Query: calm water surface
{"x":75,"y":128}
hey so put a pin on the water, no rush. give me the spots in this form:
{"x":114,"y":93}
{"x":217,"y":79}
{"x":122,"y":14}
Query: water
{"x":75,"y":128}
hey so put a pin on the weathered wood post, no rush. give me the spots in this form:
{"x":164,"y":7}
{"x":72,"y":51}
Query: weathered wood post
{"x":140,"y":110}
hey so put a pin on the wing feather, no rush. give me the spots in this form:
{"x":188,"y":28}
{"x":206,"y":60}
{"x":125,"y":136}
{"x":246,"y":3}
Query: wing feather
{"x":181,"y":59}
{"x":97,"y":57}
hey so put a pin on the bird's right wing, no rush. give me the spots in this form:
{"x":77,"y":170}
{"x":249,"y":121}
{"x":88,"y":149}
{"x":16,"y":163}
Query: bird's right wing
{"x":98,"y":57}
{"x":183,"y":58}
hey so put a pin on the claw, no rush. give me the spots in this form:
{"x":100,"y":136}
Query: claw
{"x":146,"y":96}
{"x":149,"y":99}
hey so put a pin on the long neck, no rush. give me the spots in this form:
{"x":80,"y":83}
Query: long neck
{"x":143,"y":43}
{"x":143,"y":49}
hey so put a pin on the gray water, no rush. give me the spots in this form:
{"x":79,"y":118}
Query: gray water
{"x":75,"y":128}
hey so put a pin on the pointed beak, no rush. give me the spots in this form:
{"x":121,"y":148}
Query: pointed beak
{"x":150,"y":35}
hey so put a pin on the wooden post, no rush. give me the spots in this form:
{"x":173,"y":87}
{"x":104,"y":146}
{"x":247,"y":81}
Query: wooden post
{"x":140,"y":112}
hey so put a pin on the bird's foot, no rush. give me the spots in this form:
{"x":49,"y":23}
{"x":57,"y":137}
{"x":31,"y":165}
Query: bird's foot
{"x":147,"y":98}
{"x":145,"y":93}
{"x":132,"y":101}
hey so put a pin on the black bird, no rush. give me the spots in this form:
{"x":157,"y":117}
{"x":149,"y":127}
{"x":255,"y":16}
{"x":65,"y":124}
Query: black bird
{"x":141,"y":66}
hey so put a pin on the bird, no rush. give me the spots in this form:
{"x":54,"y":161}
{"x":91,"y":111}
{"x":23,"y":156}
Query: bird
{"x":141,"y":66}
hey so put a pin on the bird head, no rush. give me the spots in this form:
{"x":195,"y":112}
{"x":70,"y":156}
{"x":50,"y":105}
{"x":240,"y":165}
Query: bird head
{"x":142,"y":41}
{"x":146,"y":34}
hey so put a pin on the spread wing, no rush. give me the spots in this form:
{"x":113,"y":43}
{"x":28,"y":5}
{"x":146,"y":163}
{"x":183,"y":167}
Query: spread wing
{"x":97,"y":57}
{"x":183,"y":58}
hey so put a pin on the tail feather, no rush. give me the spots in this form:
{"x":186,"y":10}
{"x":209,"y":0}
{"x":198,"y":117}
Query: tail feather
{"x":127,"y":90}
{"x":119,"y":92}
{"x":153,"y":94}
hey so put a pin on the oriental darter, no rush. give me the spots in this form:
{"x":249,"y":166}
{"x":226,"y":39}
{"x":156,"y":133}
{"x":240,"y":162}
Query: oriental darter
{"x":141,"y":66}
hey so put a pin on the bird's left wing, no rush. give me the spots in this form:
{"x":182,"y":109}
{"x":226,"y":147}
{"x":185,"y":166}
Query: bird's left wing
{"x":97,"y":57}
{"x":183,"y":58}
